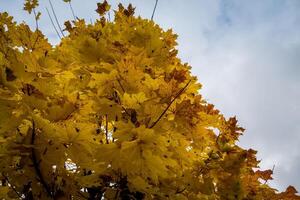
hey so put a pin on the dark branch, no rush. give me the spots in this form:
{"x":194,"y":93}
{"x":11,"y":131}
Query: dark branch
{"x":154,"y":9}
{"x":53,"y":23}
{"x":121,"y":85}
{"x":106,"y":129}
{"x":272,"y":173}
{"x":36,"y":21}
{"x":55,"y":17}
{"x":36,"y":164}
{"x":73,"y":13}
{"x":115,"y":128}
{"x":6,"y":179}
{"x":177,"y":95}
{"x":273,"y":169}
{"x":124,"y":109}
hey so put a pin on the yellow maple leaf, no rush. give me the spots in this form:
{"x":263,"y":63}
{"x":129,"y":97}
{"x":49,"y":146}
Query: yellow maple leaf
{"x":133,"y":100}
{"x":29,"y":5}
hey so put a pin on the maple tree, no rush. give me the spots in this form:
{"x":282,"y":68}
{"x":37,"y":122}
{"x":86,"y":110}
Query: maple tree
{"x":111,"y":112}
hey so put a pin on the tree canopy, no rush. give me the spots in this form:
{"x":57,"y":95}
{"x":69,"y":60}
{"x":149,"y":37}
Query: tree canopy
{"x":112,"y":113}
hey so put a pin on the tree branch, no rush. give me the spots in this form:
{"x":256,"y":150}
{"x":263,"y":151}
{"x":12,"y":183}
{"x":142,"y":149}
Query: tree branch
{"x":130,"y":114}
{"x":5,"y":177}
{"x":55,"y":17}
{"x":53,"y":24}
{"x":36,"y":21}
{"x":176,"y":96}
{"x":106,"y":129}
{"x":154,"y":9}
{"x":266,"y":181}
{"x":73,"y":13}
{"x":121,"y":85}
{"x":36,"y":164}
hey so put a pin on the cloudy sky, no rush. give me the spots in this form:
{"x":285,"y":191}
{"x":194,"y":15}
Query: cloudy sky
{"x":245,"y":53}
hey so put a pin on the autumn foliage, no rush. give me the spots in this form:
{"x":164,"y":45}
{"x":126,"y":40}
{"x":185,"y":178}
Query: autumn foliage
{"x":111,"y":112}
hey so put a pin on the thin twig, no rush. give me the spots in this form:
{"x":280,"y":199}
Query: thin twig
{"x":121,"y":85}
{"x":72,"y":10}
{"x":126,"y":111}
{"x":36,"y":21}
{"x":266,"y":181}
{"x":106,"y":129}
{"x":55,"y":17}
{"x":177,"y":95}
{"x":119,"y":81}
{"x":273,"y":169}
{"x":53,"y":23}
{"x":154,"y":9}
{"x":36,"y":163}
{"x":5,"y":177}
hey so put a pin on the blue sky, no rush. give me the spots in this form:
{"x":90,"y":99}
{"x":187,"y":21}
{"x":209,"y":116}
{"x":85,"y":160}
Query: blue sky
{"x":245,"y":53}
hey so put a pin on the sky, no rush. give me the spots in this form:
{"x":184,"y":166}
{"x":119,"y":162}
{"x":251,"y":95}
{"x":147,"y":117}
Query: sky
{"x":245,"y":53}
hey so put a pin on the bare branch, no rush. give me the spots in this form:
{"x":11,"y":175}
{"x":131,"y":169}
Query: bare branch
{"x":5,"y":177}
{"x":106,"y":129}
{"x":55,"y":17}
{"x":176,"y":96}
{"x":36,"y":21}
{"x":272,"y":173}
{"x":53,"y":23}
{"x":273,"y":169}
{"x":154,"y":9}
{"x":73,"y":13}
{"x":121,"y":85}
{"x":119,"y":81}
